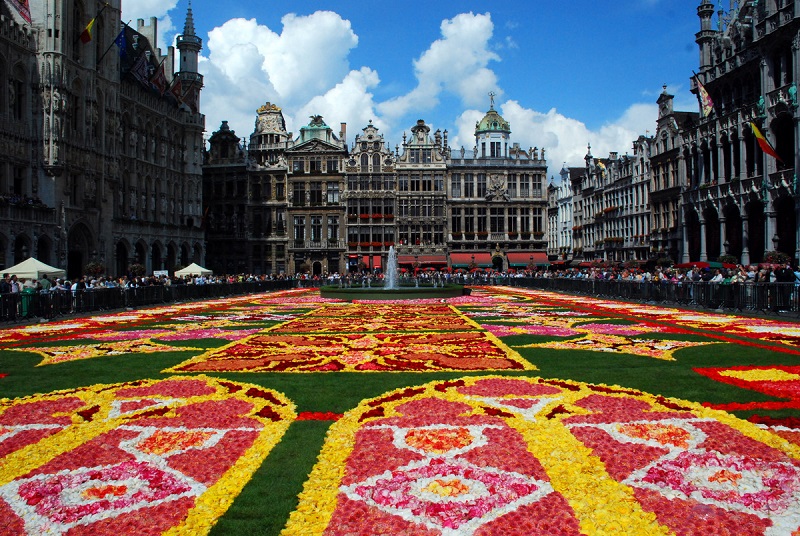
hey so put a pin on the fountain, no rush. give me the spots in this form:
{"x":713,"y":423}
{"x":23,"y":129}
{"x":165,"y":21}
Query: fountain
{"x":390,"y":280}
{"x":392,"y":288}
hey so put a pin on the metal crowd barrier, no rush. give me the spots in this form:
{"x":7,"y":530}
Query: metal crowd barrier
{"x":778,"y":298}
{"x":15,"y":307}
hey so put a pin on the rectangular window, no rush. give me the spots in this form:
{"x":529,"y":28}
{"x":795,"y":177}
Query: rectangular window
{"x":438,"y":182}
{"x":316,"y":193}
{"x":469,"y":185}
{"x":280,"y":191}
{"x":481,"y":185}
{"x":333,"y":193}
{"x":495,"y":149}
{"x":299,"y":194}
{"x":524,"y":185}
{"x":427,"y":182}
{"x":299,"y":229}
{"x":455,"y":221}
{"x":316,"y":228}
{"x":388,"y":207}
{"x":512,"y":185}
{"x":298,"y":166}
{"x":333,"y":228}
{"x":481,"y":220}
{"x":402,"y":208}
{"x":536,"y":215}
{"x":496,"y":220}
{"x":512,"y":220}
{"x":469,"y":220}
{"x":315,"y":164}
{"x":438,"y":207}
{"x":537,"y":186}
{"x":455,"y":185}
{"x":332,"y":165}
{"x":402,"y":182}
{"x":415,"y":182}
{"x":414,"y":208}
{"x":427,"y":208}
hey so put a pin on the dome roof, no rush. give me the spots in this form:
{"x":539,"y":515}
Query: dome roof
{"x":492,"y":122}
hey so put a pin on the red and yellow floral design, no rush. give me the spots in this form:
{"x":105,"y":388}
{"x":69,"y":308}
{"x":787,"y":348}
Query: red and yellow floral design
{"x":494,"y":455}
{"x":133,"y":458}
{"x":364,"y":338}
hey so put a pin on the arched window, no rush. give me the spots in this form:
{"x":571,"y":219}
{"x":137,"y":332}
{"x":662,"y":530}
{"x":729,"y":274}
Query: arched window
{"x":364,"y":161}
{"x":376,"y":162}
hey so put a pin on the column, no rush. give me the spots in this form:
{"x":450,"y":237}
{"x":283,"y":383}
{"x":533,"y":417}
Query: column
{"x":745,"y":240}
{"x":684,"y":240}
{"x":703,"y":252}
{"x":723,"y":233}
{"x":771,"y":228}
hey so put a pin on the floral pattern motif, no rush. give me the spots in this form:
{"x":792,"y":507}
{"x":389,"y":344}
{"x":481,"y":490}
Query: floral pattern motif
{"x":494,"y":455}
{"x":134,"y":458}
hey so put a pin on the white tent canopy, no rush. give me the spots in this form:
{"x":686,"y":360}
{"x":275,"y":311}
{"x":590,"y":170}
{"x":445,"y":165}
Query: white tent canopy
{"x":34,"y":269}
{"x":193,"y":269}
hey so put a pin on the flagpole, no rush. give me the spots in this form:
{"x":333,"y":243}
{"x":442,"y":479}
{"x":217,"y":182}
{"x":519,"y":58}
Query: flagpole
{"x":114,"y":42}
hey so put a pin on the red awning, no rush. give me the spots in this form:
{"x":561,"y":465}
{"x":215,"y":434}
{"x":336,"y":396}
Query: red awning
{"x":524,"y":258}
{"x":462,"y":260}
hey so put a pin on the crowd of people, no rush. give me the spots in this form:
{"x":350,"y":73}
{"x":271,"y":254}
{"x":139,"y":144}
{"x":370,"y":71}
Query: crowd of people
{"x":21,"y":200}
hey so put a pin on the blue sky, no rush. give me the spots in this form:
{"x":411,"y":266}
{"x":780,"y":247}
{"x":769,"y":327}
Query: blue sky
{"x":566,"y":74}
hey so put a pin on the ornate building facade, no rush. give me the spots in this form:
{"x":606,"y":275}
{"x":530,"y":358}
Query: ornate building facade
{"x":737,"y":200}
{"x":316,"y":213}
{"x":343,"y":209}
{"x":371,"y":200}
{"x":421,"y":199}
{"x":244,"y":188}
{"x":497,"y":200}
{"x":105,"y":146}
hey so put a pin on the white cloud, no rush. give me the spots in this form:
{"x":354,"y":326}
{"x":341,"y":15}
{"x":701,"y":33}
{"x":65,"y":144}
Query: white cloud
{"x":252,"y":64}
{"x":349,"y":101}
{"x":457,"y":63}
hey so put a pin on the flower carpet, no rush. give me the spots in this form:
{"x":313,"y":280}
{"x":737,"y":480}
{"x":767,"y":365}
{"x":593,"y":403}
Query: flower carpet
{"x":135,"y":458}
{"x":507,"y":411}
{"x":527,"y":456}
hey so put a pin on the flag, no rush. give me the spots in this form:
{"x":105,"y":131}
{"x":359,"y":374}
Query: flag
{"x":139,"y":69}
{"x":706,"y":104}
{"x":177,"y":89}
{"x":86,"y":34}
{"x":765,"y":145}
{"x":23,"y":9}
{"x":159,"y":80}
{"x":122,"y":42}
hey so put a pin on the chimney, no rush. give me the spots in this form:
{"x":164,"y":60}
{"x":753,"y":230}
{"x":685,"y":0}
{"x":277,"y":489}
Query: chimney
{"x":343,"y":132}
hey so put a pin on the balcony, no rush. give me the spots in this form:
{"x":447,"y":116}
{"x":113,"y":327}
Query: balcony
{"x":318,"y":245}
{"x":28,"y":214}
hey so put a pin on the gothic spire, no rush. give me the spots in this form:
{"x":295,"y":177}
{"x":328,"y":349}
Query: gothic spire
{"x":188,"y":27}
